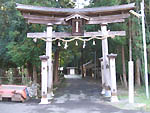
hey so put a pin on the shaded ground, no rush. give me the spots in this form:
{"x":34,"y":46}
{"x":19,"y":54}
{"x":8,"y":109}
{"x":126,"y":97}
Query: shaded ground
{"x":75,"y":96}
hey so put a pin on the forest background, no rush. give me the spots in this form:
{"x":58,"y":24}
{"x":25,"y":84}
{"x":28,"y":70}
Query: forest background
{"x":19,"y":55}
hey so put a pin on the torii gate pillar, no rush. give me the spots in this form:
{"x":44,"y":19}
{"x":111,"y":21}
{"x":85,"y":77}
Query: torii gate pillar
{"x":50,"y":65}
{"x":102,"y":75}
{"x":44,"y":99}
{"x":106,"y":61}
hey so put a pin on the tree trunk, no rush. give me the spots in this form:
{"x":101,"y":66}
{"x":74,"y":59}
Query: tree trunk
{"x":137,"y":74}
{"x":15,"y":72}
{"x":82,"y":69}
{"x":15,"y":76}
{"x":56,"y":65}
{"x":22,"y":75}
{"x":29,"y":71}
{"x":34,"y":74}
{"x":121,"y":80}
{"x":124,"y":68}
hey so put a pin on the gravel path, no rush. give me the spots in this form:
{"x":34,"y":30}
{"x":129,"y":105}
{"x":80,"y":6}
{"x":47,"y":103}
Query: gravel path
{"x":75,"y":96}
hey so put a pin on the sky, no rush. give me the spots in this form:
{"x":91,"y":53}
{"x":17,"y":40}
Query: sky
{"x":81,"y":3}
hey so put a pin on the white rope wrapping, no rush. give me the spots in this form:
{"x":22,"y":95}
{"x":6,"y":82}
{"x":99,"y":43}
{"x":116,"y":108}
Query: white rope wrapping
{"x":79,"y":38}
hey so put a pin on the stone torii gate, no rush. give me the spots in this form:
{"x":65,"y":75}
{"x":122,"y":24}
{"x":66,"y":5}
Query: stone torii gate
{"x":76,"y":18}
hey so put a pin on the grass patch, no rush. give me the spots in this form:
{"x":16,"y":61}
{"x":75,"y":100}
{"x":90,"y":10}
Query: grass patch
{"x":139,"y":98}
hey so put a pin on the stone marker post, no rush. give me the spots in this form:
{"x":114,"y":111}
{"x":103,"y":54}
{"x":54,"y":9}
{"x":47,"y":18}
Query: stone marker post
{"x":131,"y":81}
{"x":112,"y":68}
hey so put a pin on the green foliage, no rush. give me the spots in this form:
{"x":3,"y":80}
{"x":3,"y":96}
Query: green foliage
{"x":24,"y":52}
{"x":97,"y":3}
{"x":116,"y":43}
{"x":17,"y":50}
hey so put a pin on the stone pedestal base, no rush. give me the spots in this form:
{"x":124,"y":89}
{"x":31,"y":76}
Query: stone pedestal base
{"x":44,"y":101}
{"x":50,"y":96}
{"x":114,"y":99}
{"x":107,"y":93}
{"x":103,"y":91}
